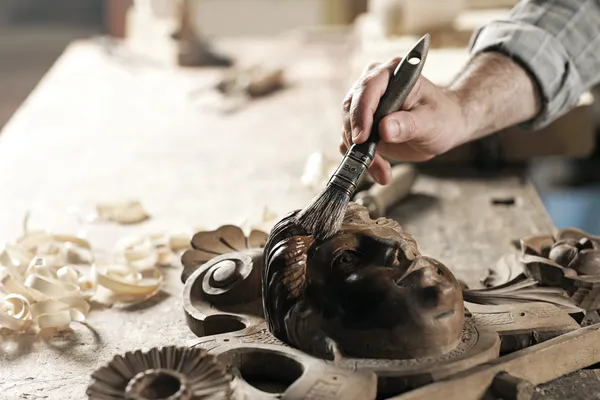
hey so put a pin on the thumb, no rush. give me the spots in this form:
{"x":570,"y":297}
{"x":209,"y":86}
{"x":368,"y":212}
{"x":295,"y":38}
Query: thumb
{"x":410,"y":124}
{"x":402,"y":126}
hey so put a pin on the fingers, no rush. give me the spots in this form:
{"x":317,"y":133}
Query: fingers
{"x":347,"y":103}
{"x":406,"y":152}
{"x":419,"y":94}
{"x":404,"y":134}
{"x":362,"y":100}
{"x":365,"y":98}
{"x":343,"y":147}
{"x":380,"y":170}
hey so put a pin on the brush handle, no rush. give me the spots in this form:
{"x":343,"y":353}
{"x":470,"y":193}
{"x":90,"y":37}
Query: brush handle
{"x":359,"y":157}
{"x":401,"y":83}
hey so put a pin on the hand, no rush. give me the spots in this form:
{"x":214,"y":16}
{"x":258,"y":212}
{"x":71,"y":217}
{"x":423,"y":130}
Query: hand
{"x":430,"y":122}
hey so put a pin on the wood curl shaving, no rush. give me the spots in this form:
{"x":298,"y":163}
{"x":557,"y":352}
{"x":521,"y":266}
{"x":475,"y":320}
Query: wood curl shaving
{"x":42,"y":283}
{"x":266,"y":222}
{"x":49,"y":280}
{"x":317,"y":170}
{"x":128,"y":212}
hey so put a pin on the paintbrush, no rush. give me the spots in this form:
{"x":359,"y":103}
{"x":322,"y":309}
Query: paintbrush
{"x":324,"y":215}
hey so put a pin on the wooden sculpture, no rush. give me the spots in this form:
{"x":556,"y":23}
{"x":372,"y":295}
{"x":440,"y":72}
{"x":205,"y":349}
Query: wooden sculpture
{"x":267,"y":371}
{"x":230,"y":317}
{"x":368,"y":299}
{"x":365,"y":292}
{"x":570,"y":260}
{"x":563,"y":269}
{"x":222,"y":275}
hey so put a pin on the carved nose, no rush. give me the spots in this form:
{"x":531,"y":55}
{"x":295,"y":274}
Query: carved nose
{"x":429,"y":272}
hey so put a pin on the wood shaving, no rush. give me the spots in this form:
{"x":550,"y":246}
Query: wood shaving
{"x":179,"y":242}
{"x":266,"y":222}
{"x":129,"y":212}
{"x":45,"y":293}
{"x":317,"y":171}
{"x":48,"y":280}
{"x":14,"y":312}
{"x":124,"y":280}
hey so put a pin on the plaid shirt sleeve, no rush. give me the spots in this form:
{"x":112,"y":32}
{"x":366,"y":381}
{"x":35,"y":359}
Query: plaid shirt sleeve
{"x":557,"y":41}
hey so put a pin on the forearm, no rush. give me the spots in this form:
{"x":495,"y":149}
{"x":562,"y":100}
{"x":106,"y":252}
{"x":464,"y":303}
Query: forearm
{"x":558,"y":44}
{"x":494,"y":93}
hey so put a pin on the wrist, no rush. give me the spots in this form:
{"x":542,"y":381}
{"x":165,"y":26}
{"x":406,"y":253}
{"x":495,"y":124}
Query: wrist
{"x":494,"y":92}
{"x":469,"y":116}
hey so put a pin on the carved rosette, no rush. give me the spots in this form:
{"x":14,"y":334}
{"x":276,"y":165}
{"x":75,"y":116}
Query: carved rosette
{"x":168,"y":373}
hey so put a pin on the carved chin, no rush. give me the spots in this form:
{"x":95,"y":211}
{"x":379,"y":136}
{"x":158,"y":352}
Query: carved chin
{"x":416,"y":339}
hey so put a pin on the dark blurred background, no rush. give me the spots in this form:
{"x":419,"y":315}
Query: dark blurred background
{"x":33,"y":33}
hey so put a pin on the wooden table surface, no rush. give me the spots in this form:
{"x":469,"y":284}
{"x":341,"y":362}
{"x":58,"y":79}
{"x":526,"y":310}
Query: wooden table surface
{"x":102,"y":128}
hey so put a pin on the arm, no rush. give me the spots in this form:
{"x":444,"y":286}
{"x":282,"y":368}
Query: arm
{"x":494,"y":92}
{"x":557,"y":43}
{"x":529,"y":69}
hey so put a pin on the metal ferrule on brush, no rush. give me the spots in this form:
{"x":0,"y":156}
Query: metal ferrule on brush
{"x":353,"y":166}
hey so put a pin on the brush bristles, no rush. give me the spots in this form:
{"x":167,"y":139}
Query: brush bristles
{"x":324,"y":216}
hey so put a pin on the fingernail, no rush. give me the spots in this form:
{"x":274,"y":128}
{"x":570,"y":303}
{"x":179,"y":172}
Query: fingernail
{"x":355,"y":133}
{"x":393,"y":128}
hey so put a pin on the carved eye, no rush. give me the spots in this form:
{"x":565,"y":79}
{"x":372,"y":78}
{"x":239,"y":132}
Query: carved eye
{"x":346,"y":258}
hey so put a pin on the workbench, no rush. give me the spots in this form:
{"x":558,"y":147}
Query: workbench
{"x":105,"y":126}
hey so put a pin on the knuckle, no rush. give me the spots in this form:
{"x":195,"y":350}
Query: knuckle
{"x":374,"y":80}
{"x":346,"y":120}
{"x":370,"y":67}
{"x":346,"y":103}
{"x":369,"y":79}
{"x":347,"y":140}
{"x":357,"y":99}
{"x":366,"y":81}
{"x":355,"y":115}
{"x":345,"y":134}
{"x":393,"y":62}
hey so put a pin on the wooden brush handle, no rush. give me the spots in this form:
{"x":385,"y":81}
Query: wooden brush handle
{"x":401,"y":83}
{"x":379,"y":198}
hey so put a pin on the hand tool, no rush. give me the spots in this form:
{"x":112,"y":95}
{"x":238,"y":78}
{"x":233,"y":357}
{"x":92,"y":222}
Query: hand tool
{"x":378,"y":198}
{"x":323,"y":216}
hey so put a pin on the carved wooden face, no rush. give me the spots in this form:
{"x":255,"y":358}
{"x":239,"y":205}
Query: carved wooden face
{"x":368,"y":288}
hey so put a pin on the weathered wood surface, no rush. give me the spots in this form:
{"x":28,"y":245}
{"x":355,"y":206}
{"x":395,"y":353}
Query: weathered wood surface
{"x":538,"y":364}
{"x":580,"y":385}
{"x":103,"y":128}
